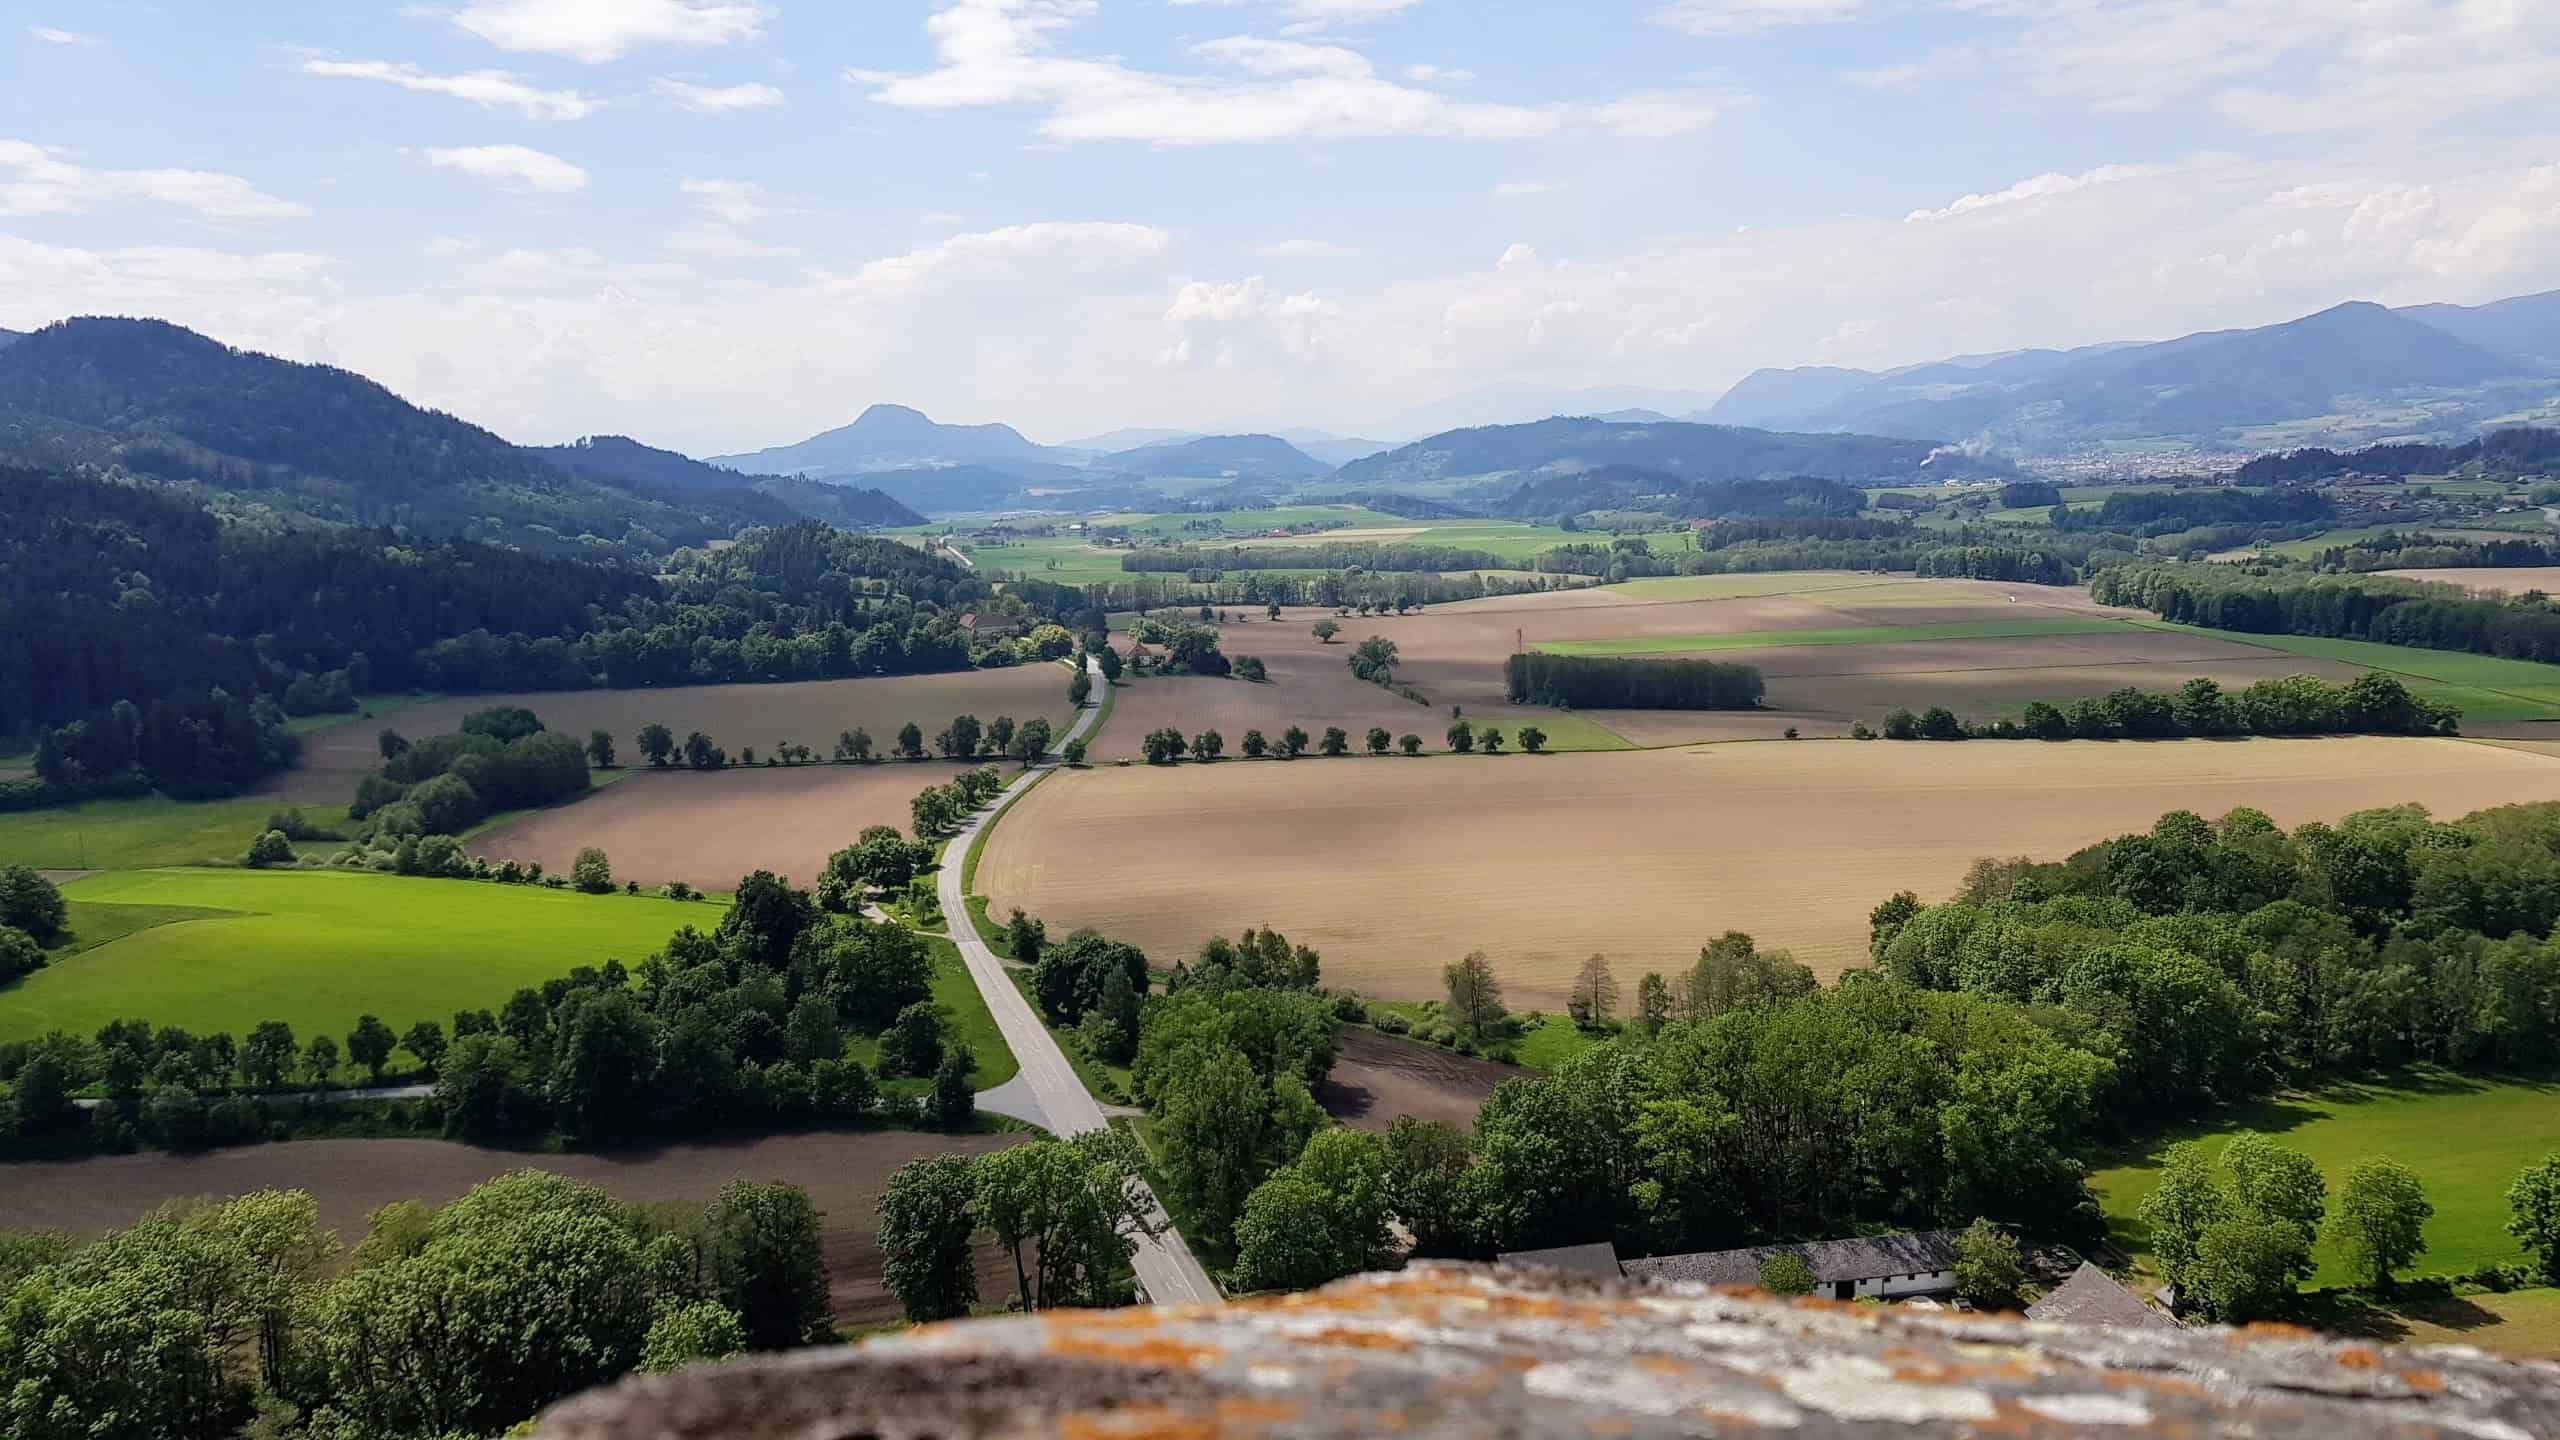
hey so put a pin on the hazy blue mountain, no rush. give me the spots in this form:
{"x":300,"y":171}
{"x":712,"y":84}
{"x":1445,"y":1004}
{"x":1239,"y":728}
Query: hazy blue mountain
{"x":10,"y":337}
{"x":1775,"y":398}
{"x":1684,"y":452}
{"x":164,"y":402}
{"x":650,"y":470}
{"x":1239,"y":457}
{"x":947,"y":489}
{"x":2527,"y":326}
{"x":1112,"y":442}
{"x":1517,"y":402}
{"x":1332,"y":449}
{"x":893,"y":437}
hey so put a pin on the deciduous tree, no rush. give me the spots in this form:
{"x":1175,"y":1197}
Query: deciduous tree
{"x":928,"y":1217}
{"x":2381,"y":1219}
{"x":1475,"y":996}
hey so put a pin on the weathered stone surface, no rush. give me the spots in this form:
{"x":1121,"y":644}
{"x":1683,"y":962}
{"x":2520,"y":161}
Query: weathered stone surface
{"x":1453,"y":1350}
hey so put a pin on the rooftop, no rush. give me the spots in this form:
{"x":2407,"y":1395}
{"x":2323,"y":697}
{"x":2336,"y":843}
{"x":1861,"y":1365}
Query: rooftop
{"x":1920,"y":1252}
{"x":1600,"y":1259}
{"x":2093,"y":1297}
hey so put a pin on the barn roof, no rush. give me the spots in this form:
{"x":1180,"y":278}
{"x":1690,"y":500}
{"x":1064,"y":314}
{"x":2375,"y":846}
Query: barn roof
{"x":2093,"y":1297}
{"x":1597,"y":1259}
{"x":1920,"y":1252}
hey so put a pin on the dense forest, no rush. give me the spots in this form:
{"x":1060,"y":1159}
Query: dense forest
{"x":1594,"y":682}
{"x":2508,"y":454}
{"x":2355,"y":607}
{"x":1977,"y":552}
{"x":2166,"y":512}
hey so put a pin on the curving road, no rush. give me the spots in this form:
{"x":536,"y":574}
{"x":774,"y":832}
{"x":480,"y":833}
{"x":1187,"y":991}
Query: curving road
{"x":1164,"y":1262}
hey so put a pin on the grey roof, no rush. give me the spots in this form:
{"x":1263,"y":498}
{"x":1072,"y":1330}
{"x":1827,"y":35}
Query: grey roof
{"x":1920,"y":1252}
{"x":1599,"y":1259}
{"x":2093,"y":1297}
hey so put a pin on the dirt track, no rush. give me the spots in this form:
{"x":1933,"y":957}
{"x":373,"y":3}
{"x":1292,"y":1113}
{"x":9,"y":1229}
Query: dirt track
{"x":844,"y":1173}
{"x":1377,"y":1077}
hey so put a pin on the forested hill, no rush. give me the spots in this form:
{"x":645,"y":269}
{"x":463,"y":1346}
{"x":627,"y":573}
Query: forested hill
{"x":648,"y":470}
{"x":1246,"y":457}
{"x":9,"y":338}
{"x":161,"y":401}
{"x":1681,"y":451}
{"x":2519,"y":453}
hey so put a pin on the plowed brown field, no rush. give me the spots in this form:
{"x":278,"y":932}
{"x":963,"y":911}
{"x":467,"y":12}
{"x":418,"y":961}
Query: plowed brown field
{"x":844,"y":1174}
{"x":1392,"y":868}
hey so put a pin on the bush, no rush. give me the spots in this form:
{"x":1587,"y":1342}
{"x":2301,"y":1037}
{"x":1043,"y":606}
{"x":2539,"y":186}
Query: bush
{"x":1786,"y":1274}
{"x":272,"y":848}
{"x":591,"y":872}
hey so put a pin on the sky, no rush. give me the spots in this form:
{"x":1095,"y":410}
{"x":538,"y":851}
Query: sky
{"x":723,"y":224}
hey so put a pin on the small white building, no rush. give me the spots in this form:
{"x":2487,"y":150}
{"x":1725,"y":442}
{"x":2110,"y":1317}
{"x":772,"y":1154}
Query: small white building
{"x":1921,"y":1262}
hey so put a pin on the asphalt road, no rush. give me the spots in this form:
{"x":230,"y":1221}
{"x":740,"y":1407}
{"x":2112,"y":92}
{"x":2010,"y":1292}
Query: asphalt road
{"x":1164,"y":1262}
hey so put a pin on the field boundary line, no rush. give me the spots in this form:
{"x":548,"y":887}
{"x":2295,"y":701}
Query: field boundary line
{"x":2250,"y":639}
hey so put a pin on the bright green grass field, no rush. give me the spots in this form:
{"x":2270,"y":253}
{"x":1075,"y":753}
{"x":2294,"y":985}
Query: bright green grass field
{"x":317,"y":948}
{"x":132,"y":834}
{"x":1857,"y":635}
{"x":972,"y":1024}
{"x":2487,"y":688}
{"x":2466,"y":1136}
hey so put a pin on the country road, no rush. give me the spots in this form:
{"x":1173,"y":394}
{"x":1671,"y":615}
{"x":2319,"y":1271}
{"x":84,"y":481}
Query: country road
{"x":1164,"y":1262}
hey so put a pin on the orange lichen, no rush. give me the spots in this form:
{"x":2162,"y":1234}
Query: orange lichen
{"x":1166,"y":1353}
{"x":2426,"y":1382}
{"x":1344,"y":1335}
{"x":2356,"y":1357}
{"x":2270,"y":1330}
{"x":1142,"y":1422}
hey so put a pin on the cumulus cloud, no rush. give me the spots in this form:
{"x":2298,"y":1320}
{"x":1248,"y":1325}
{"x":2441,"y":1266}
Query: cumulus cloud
{"x":720,"y":100}
{"x":39,"y":180}
{"x":1256,"y":89}
{"x":601,"y":30}
{"x":489,"y":89}
{"x":2037,"y":187}
{"x":52,"y":35}
{"x":517,"y":166}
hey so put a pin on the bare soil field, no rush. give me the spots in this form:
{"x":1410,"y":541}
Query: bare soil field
{"x":2511,"y":580}
{"x":1392,"y":868}
{"x":844,"y":1173}
{"x":708,"y":829}
{"x":1377,"y":1077}
{"x":811,"y":712}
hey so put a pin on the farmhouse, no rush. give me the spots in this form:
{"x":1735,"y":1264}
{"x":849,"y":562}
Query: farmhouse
{"x":1886,"y":1266}
{"x":2093,"y":1297}
{"x":989,"y":627}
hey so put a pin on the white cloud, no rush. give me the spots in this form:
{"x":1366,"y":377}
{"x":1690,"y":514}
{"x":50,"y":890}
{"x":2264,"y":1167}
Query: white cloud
{"x":1003,"y":52}
{"x":600,"y":30}
{"x":1437,"y":75}
{"x":53,"y":36}
{"x":514,"y":165}
{"x":1227,"y":326}
{"x":1716,"y":18}
{"x":721,"y":100}
{"x":2039,"y":187}
{"x":1320,"y":12}
{"x":37,"y":180}
{"x":489,"y":89}
{"x":992,"y":255}
{"x":739,"y":202}
{"x":712,"y":240}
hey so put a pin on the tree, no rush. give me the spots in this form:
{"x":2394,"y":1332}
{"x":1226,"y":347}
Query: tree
{"x":657,"y":745}
{"x":2381,"y":1219}
{"x":1427,"y":1165}
{"x":1786,"y":1274}
{"x":269,"y":1054}
{"x":591,"y":873}
{"x":1491,"y":739}
{"x":1024,"y":937}
{"x":928,"y":1217}
{"x":1293,"y":743}
{"x":1410,"y":744}
{"x":272,"y":848}
{"x":960,"y":739}
{"x":1989,"y":1270}
{"x":1532,"y":739}
{"x":1255,"y":745}
{"x":1109,"y":660}
{"x":1207,"y":746}
{"x":600,"y":749}
{"x":30,"y":903}
{"x":391,"y":744}
{"x":1031,"y":741}
{"x":1595,"y":994}
{"x":910,"y":741}
{"x":2187,"y":1201}
{"x":912,"y":1045}
{"x":768,"y":1264}
{"x":1079,"y":687}
{"x":1075,"y":752}
{"x":370,"y":1045}
{"x":1462,"y":737}
{"x":1073,"y":1204}
{"x":1379,"y":740}
{"x":701,"y":754}
{"x":1374,"y":660}
{"x":1325,"y":630}
{"x":1070,"y":979}
{"x":1475,"y":996}
{"x":426,"y":1041}
{"x":954,"y":1103}
{"x":1317,"y":1219}
{"x":2533,"y":1213}
{"x":853,"y":747}
{"x":690,"y":1333}
{"x":1164,"y":746}
{"x":1653,"y":1002}
{"x":1221,"y":1129}
{"x":1901,"y":725}
{"x":999,"y":737}
{"x":19,"y":955}
{"x":1251,"y":669}
{"x":321,"y":1058}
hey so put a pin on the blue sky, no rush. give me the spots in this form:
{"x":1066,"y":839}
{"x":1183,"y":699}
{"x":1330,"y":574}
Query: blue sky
{"x":726,"y":223}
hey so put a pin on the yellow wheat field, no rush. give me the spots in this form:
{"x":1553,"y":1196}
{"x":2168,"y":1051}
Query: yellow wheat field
{"x":1393,"y":867}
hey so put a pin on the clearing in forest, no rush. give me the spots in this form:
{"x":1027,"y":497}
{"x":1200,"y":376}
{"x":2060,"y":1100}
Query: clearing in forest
{"x":1394,"y":867}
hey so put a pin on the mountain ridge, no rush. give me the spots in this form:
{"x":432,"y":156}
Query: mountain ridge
{"x":892,"y":437}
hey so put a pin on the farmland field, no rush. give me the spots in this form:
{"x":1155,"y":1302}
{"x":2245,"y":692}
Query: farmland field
{"x":812,"y":712}
{"x":708,"y":829}
{"x":318,"y":948}
{"x":135,"y":834}
{"x":2490,"y":689}
{"x":2493,"y":580}
{"x":1377,"y":1077}
{"x":2466,"y":1135}
{"x":844,"y":1173}
{"x":1394,"y":867}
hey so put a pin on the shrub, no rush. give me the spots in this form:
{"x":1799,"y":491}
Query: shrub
{"x":1786,"y":1274}
{"x":591,"y":872}
{"x":272,"y":848}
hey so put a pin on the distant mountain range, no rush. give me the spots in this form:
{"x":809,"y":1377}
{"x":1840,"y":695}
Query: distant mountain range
{"x":893,"y":437}
{"x":2351,"y":372}
{"x":1679,"y":452}
{"x":1240,"y":457}
{"x":10,"y":337}
{"x":620,"y":458}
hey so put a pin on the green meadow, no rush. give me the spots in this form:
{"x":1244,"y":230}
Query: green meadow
{"x":226,"y":949}
{"x":972,"y":1024}
{"x":135,"y":834}
{"x":2466,"y":1135}
{"x":2487,"y":688}
{"x":1855,"y":635}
